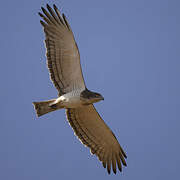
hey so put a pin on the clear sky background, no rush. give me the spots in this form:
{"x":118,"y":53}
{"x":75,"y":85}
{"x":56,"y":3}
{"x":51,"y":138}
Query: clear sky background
{"x":130,"y":53}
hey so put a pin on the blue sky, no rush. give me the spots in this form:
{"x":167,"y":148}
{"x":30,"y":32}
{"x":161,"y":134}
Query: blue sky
{"x":129,"y":53}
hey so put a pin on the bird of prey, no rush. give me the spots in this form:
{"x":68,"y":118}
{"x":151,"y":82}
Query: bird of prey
{"x":63,"y":62}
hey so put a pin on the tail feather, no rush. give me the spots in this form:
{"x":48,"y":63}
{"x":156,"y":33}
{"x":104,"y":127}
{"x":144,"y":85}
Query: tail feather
{"x":44,"y":107}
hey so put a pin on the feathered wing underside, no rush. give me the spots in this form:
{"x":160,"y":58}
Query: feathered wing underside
{"x":95,"y":134}
{"x":63,"y":57}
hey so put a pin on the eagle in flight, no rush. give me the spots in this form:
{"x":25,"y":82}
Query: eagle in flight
{"x":63,"y":61}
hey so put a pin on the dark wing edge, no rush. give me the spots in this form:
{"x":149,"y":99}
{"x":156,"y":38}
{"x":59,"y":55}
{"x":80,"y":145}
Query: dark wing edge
{"x":109,"y":153}
{"x":53,"y":24}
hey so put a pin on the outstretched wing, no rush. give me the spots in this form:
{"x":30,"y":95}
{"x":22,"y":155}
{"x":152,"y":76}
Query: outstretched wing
{"x":63,"y":57}
{"x":95,"y":134}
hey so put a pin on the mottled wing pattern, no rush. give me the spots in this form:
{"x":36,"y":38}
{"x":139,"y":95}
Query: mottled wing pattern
{"x":95,"y":134}
{"x":63,"y":57}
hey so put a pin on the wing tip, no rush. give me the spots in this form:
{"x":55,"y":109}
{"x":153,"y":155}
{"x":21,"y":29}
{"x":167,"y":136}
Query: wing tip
{"x":104,"y":164}
{"x":42,"y":23}
{"x":42,"y":8}
{"x":47,"y":5}
{"x":40,"y":14}
{"x":124,"y":163}
{"x":55,"y":7}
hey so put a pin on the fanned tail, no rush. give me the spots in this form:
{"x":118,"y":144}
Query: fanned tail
{"x":45,"y":107}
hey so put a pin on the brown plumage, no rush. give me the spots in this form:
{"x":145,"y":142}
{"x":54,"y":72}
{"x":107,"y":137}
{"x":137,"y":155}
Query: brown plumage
{"x":95,"y":134}
{"x":63,"y":62}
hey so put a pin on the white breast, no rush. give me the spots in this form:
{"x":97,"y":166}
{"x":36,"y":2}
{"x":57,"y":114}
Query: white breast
{"x":71,"y":100}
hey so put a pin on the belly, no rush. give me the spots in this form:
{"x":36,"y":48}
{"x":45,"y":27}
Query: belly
{"x":71,"y":100}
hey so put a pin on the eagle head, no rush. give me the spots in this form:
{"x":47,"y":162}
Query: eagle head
{"x":89,"y":97}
